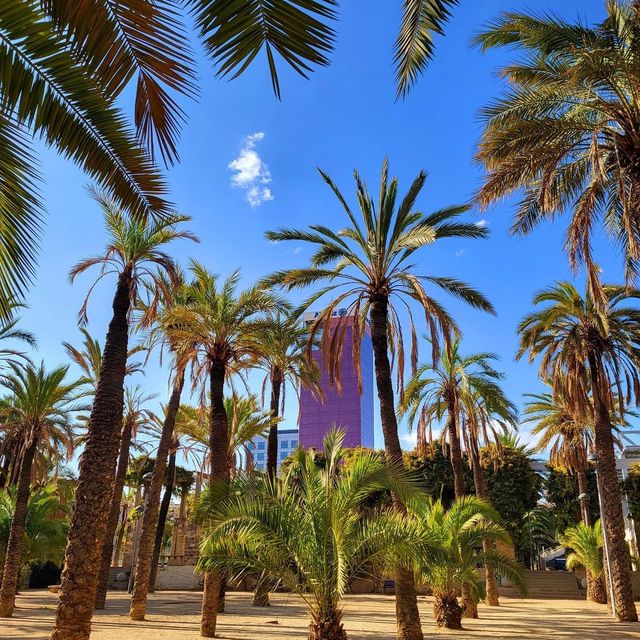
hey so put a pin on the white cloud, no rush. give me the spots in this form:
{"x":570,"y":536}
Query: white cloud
{"x":251,"y":173}
{"x":409,"y":439}
{"x":482,"y":223}
{"x":460,"y":252}
{"x":297,"y":250}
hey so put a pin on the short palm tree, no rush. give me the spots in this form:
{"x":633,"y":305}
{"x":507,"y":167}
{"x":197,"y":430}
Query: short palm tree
{"x":307,"y":529}
{"x":368,"y":267}
{"x":221,"y":324}
{"x":42,"y":403}
{"x":589,"y":354}
{"x":135,"y":254}
{"x":457,"y":536}
{"x":466,"y":389}
{"x":565,"y":132}
{"x":46,"y":525}
{"x":585,"y":543}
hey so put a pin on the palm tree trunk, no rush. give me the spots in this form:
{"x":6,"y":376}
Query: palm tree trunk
{"x":491,"y":584}
{"x":96,"y":479}
{"x":162,"y":520}
{"x":219,"y":476}
{"x":261,"y":593}
{"x":13,"y":554}
{"x":447,"y":611}
{"x":407,"y":614}
{"x":112,"y":524}
{"x":138,"y":606}
{"x":455,"y":452}
{"x":596,"y":588}
{"x":611,"y":497}
{"x":583,"y":490}
{"x":328,"y":626}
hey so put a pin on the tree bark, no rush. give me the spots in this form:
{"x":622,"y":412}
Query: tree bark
{"x":162,"y":520}
{"x":96,"y":479}
{"x":611,"y":497}
{"x":112,"y":524}
{"x":455,"y":452}
{"x":138,"y":606}
{"x":261,"y":593}
{"x":218,"y":478}
{"x":328,"y":627}
{"x":596,"y":588}
{"x":491,"y":584}
{"x":15,"y":544}
{"x":447,"y":611}
{"x":407,"y":614}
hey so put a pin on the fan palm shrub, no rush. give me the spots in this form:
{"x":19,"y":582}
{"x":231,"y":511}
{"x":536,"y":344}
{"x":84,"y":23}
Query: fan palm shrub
{"x":589,"y":353}
{"x":135,"y":254}
{"x":307,"y":529}
{"x":457,"y":536}
{"x":369,"y":267}
{"x":42,"y":405}
{"x":585,"y":543}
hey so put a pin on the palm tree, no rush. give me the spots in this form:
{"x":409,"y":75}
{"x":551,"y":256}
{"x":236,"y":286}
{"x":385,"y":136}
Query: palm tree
{"x":586,"y":544}
{"x":369,"y":269}
{"x":589,"y":354}
{"x":467,"y":389}
{"x":568,"y":441}
{"x":565,"y":130}
{"x":135,"y":254}
{"x":42,"y":402}
{"x":135,"y":419}
{"x":307,"y":529}
{"x":46,"y":525}
{"x":221,"y":324}
{"x":457,"y":536}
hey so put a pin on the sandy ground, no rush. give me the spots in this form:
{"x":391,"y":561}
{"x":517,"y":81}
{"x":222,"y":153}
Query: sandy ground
{"x":173,"y":614}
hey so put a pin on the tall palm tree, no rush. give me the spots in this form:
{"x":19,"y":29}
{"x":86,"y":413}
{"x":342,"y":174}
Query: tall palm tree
{"x":465,"y":388}
{"x":568,"y":440}
{"x":589,"y":354}
{"x":155,"y":316}
{"x":368,"y":267}
{"x":135,"y":419}
{"x":41,"y":402}
{"x":134,"y":253}
{"x":221,"y":323}
{"x":457,"y":535}
{"x":565,"y":131}
{"x":585,"y":541}
{"x":308,"y":531}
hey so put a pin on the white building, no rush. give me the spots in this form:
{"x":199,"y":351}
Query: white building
{"x":287,"y":442}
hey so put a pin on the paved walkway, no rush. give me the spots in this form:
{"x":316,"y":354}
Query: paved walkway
{"x":175,"y":615}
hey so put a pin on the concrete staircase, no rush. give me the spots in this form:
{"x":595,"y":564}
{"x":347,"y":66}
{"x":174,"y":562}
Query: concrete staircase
{"x":560,"y":585}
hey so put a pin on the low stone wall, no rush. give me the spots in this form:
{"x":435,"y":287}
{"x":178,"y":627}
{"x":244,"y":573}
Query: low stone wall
{"x":182,"y":578}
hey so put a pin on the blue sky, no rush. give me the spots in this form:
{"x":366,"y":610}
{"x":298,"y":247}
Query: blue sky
{"x":345,"y":117}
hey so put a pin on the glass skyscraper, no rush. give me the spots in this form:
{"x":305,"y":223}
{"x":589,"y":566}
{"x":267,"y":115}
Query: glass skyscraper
{"x":350,"y":411}
{"x":287,"y":442}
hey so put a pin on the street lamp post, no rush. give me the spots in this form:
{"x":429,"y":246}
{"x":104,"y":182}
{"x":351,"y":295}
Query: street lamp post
{"x":593,"y":457}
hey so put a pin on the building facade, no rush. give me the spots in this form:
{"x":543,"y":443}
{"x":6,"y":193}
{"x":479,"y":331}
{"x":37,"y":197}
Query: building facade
{"x":349,"y":410}
{"x":287,"y":442}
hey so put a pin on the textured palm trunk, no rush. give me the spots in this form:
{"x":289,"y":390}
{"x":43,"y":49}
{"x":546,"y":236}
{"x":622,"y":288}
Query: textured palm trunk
{"x":447,"y":611}
{"x":138,"y":606}
{"x":491,"y":584}
{"x":261,"y":593}
{"x":407,"y":614}
{"x":13,"y":554}
{"x":611,"y":497}
{"x":328,"y":626}
{"x":583,"y":490}
{"x":96,"y":479}
{"x":455,"y":452}
{"x":162,"y":520}
{"x":596,"y":588}
{"x":219,"y":465}
{"x":112,"y":524}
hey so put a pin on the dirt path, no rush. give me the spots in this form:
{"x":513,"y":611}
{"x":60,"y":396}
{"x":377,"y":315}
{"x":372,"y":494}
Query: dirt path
{"x":175,"y":615}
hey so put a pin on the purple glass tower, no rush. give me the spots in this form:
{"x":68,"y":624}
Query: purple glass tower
{"x":349,"y":411}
